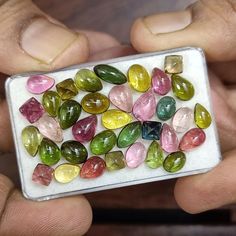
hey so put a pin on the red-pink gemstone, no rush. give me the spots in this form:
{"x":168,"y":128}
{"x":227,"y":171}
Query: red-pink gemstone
{"x":161,"y":83}
{"x":43,"y":174}
{"x":32,"y":110}
{"x":169,"y":140}
{"x":193,"y":138}
{"x":84,"y":130}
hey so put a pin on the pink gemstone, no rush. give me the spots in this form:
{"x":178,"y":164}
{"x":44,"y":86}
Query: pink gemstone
{"x":84,"y":130}
{"x":38,"y":84}
{"x":135,"y":155}
{"x":145,"y":106}
{"x":169,"y":140}
{"x":160,"y":82}
{"x":50,"y":128}
{"x":121,"y":97}
{"x":193,"y":138}
{"x":32,"y":110}
{"x":43,"y":174}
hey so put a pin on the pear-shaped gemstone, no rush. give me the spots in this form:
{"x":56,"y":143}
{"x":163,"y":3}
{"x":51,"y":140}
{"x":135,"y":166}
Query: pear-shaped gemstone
{"x":166,"y":108}
{"x":174,"y":162}
{"x":160,"y":82}
{"x":67,"y":89}
{"x":201,"y":116}
{"x":51,"y":102}
{"x":115,"y":160}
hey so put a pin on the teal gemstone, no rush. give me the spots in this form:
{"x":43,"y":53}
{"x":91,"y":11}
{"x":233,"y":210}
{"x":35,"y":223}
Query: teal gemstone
{"x":166,"y":108}
{"x":174,"y":162}
{"x":151,"y":130}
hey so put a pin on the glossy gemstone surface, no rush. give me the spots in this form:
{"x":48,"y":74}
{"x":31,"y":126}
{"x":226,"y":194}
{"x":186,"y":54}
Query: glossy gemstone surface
{"x":114,"y":160}
{"x":67,"y":89}
{"x":43,"y":174}
{"x":166,"y":108}
{"x":161,"y":83}
{"x":51,"y":102}
{"x":201,"y":116}
{"x":173,"y":64}
{"x":151,"y":130}
{"x":174,"y":162}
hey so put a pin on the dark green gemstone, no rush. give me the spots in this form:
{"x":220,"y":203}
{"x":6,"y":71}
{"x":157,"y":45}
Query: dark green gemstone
{"x":115,"y":160}
{"x":166,"y":108}
{"x":154,"y":158}
{"x":51,"y":102}
{"x":174,"y":162}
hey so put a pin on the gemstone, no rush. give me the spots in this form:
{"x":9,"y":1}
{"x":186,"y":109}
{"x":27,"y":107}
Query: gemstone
{"x":169,"y":140}
{"x":121,"y":97}
{"x":43,"y":174}
{"x":95,"y":103}
{"x":31,"y":139}
{"x":49,"y":152}
{"x":182,"y":88}
{"x":51,"y":102}
{"x":38,"y":84}
{"x":65,"y":173}
{"x":174,"y":162}
{"x":201,"y":116}
{"x":145,"y":106}
{"x":110,"y":74}
{"x":103,"y":142}
{"x":114,"y":119}
{"x":139,"y":78}
{"x":87,"y":80}
{"x":135,"y":155}
{"x":160,"y":82}
{"x":114,"y":160}
{"x":50,"y":128}
{"x":151,"y":130}
{"x":93,"y":167}
{"x":67,"y":89}
{"x":68,"y":113}
{"x":154,"y":158}
{"x":129,"y":134}
{"x":32,"y":110}
{"x":74,"y":152}
{"x":173,"y":64}
{"x":84,"y":129}
{"x":182,"y":119}
{"x":166,"y":108}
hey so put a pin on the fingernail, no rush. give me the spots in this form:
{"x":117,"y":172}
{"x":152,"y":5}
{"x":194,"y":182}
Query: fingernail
{"x":167,"y":22}
{"x":46,"y":41}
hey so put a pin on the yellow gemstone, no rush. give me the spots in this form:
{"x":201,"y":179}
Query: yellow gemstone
{"x":201,"y":116}
{"x":65,"y":173}
{"x":138,"y":78}
{"x":114,"y":119}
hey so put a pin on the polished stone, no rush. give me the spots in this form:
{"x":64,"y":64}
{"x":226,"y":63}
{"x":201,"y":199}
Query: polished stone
{"x":51,"y":102}
{"x":174,"y":162}
{"x":166,"y":108}
{"x":151,"y":130}
{"x":115,"y":160}
{"x":173,"y":64}
{"x":202,"y":116}
{"x":67,"y":89}
{"x":43,"y":174}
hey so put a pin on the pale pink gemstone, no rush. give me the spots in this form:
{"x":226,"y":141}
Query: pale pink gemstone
{"x":38,"y":84}
{"x":145,"y":106}
{"x":121,"y":97}
{"x":135,"y":155}
{"x":160,"y":82}
{"x":182,"y":119}
{"x":50,"y":128}
{"x":169,"y":140}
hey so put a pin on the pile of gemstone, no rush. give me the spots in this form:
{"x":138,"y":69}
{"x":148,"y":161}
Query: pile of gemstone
{"x":60,"y":110}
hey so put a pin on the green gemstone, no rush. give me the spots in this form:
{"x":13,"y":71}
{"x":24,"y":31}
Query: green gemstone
{"x":174,"y":162}
{"x":129,"y":134}
{"x":87,"y":80}
{"x":49,"y":152}
{"x":182,"y":88}
{"x":154,"y":158}
{"x":51,"y":102}
{"x":166,"y":108}
{"x":31,"y":139}
{"x":103,"y":142}
{"x":74,"y":152}
{"x":114,"y":160}
{"x":110,"y":74}
{"x":201,"y":116}
{"x":67,"y":89}
{"x":69,"y":113}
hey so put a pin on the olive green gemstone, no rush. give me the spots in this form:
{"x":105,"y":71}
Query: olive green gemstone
{"x":67,"y":89}
{"x":166,"y":108}
{"x":51,"y":102}
{"x":174,"y":162}
{"x":87,"y":80}
{"x":182,"y":88}
{"x":110,"y":74}
{"x":69,"y":113}
{"x":129,"y":134}
{"x":115,"y":160}
{"x":49,"y":152}
{"x":201,"y":116}
{"x":74,"y":152}
{"x":154,"y":158}
{"x":103,"y":142}
{"x":31,"y":139}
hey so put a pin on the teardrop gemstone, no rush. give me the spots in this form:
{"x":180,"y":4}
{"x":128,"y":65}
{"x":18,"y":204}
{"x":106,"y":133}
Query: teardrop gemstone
{"x":174,"y":162}
{"x":43,"y":174}
{"x":182,"y":88}
{"x":201,"y":116}
{"x":145,"y":106}
{"x":115,"y":119}
{"x":114,"y":160}
{"x":166,"y":108}
{"x":139,"y":78}
{"x":51,"y":102}
{"x":160,"y":82}
{"x":121,"y":97}
{"x":65,"y":173}
{"x":67,"y":89}
{"x":169,"y":140}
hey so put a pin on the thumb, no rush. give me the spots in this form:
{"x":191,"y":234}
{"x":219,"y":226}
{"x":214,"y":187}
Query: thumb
{"x":209,"y":24}
{"x":30,"y":40}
